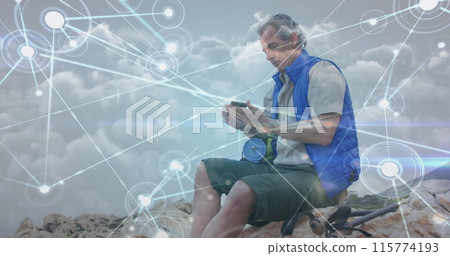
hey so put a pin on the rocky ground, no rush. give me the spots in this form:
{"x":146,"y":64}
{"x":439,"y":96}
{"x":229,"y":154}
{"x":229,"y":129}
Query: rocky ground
{"x":173,"y":222}
{"x":425,"y":214}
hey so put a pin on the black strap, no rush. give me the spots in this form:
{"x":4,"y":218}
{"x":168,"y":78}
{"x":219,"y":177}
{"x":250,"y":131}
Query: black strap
{"x":338,"y":221}
{"x":288,"y":226}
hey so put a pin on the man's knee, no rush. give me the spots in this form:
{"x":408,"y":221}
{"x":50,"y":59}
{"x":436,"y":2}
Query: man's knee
{"x":241,"y":198}
{"x":202,"y":181}
{"x":201,"y":176}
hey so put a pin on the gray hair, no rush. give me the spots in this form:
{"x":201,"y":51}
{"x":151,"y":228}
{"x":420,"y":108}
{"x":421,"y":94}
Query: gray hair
{"x":284,"y":25}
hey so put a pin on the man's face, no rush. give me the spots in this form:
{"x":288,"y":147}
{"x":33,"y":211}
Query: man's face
{"x":280,"y":53}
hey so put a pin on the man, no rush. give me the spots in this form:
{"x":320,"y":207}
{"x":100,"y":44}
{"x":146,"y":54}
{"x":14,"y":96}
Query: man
{"x":312,"y":167}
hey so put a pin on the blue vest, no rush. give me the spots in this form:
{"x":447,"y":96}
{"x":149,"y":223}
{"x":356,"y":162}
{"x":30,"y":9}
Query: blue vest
{"x":337,"y":164}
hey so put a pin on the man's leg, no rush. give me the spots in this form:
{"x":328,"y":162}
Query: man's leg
{"x":206,"y":202}
{"x":233,"y":216}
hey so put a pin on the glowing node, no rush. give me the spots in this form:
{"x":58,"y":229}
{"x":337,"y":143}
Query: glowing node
{"x":73,"y":43}
{"x":44,"y":189}
{"x":144,"y":200}
{"x":176,"y":166}
{"x":171,"y":48}
{"x":428,"y":5}
{"x":190,"y":219}
{"x":395,"y":52}
{"x":210,"y":197}
{"x":390,"y":169}
{"x":38,"y":93}
{"x":168,"y":12}
{"x":373,"y":22}
{"x":27,"y":51}
{"x":54,"y":19}
{"x":384,"y":103}
{"x":162,"y":234}
{"x":438,"y":218}
{"x":18,"y":1}
{"x":228,"y":182}
{"x":131,"y":228}
{"x":396,"y":114}
{"x":441,"y":45}
{"x":162,"y":66}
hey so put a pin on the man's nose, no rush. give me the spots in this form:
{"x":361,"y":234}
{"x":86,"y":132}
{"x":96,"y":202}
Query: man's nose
{"x":269,"y":55}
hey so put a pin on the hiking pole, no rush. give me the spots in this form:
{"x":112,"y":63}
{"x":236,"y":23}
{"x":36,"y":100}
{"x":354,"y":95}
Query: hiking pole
{"x":338,"y":220}
{"x":373,"y":214}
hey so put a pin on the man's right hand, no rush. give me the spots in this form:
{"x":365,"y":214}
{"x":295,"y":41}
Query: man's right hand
{"x":235,"y":117}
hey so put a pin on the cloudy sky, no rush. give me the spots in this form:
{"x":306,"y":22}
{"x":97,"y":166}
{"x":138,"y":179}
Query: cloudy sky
{"x":66,"y":150}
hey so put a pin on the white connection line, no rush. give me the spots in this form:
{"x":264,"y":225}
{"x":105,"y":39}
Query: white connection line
{"x":362,"y":22}
{"x":394,"y":185}
{"x":49,"y":110}
{"x":344,"y":44}
{"x":170,"y":174}
{"x":89,"y":137}
{"x":128,"y":44}
{"x":393,"y":60}
{"x":300,"y":44}
{"x":23,"y":24}
{"x":404,"y":82}
{"x":196,"y":88}
{"x":89,"y":35}
{"x":419,"y":196}
{"x":20,"y":182}
{"x":365,"y":103}
{"x":140,"y":207}
{"x":143,"y":22}
{"x":11,"y":70}
{"x":113,"y":16}
{"x":131,"y":213}
{"x":192,"y":158}
{"x":303,"y":197}
{"x":21,"y":165}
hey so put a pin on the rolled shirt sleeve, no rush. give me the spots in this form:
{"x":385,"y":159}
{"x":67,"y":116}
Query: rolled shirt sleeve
{"x":326,"y":88}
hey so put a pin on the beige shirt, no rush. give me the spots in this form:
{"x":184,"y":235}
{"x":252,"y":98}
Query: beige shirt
{"x":325,"y":95}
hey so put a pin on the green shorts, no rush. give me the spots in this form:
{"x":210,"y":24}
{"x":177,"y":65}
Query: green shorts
{"x":282,"y":190}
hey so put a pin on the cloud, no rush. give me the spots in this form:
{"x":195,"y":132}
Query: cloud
{"x":385,"y":54}
{"x":252,"y":33}
{"x":250,"y":65}
{"x":242,"y":66}
{"x":361,"y":77}
{"x":207,"y":51}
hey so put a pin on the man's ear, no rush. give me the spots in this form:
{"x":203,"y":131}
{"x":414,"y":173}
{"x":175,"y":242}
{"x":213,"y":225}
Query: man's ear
{"x":293,"y":39}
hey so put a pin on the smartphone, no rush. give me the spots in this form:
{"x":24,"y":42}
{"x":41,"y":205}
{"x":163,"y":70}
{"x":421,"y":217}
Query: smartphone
{"x":239,"y":104}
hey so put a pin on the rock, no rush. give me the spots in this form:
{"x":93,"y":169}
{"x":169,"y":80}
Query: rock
{"x":66,"y":228}
{"x":25,"y":225}
{"x":184,"y":206}
{"x":52,"y":221}
{"x":45,"y":234}
{"x":26,"y":229}
{"x":172,"y":221}
{"x":83,"y":235}
{"x":425,"y":214}
{"x":444,"y":200}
